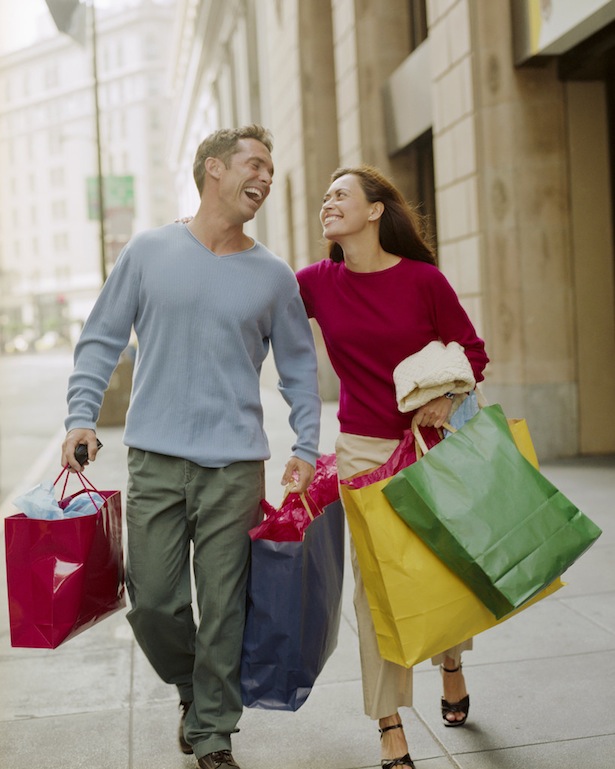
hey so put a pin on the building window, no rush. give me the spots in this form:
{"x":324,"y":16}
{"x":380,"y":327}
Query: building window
{"x":56,"y":178}
{"x":151,"y":48}
{"x":414,"y":169}
{"x":153,"y":86}
{"x":58,"y":209}
{"x":104,"y":65}
{"x":417,"y":15}
{"x":60,"y":242}
{"x":55,"y":141}
{"x":51,"y":76}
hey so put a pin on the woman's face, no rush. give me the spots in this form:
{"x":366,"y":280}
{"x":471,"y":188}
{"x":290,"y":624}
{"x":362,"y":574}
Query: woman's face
{"x":345,"y":209}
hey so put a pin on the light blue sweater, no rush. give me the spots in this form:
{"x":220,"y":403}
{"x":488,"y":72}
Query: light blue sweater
{"x":204,"y":325}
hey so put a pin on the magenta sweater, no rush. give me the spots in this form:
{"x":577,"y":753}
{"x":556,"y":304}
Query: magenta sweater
{"x":372,"y":321}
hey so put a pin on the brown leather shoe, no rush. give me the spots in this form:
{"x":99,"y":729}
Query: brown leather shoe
{"x":220,"y":759}
{"x":184,"y":745}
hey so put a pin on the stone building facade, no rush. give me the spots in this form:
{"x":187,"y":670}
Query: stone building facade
{"x":495,"y":117}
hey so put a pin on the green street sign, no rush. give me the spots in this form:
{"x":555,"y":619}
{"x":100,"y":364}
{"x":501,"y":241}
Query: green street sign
{"x":118,"y":192}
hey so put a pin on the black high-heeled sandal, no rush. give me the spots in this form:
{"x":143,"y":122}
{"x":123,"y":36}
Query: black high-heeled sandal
{"x":463,"y":706}
{"x":387,"y":763}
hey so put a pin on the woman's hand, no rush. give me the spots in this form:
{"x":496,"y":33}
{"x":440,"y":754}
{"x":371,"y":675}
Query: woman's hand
{"x":435,"y":413}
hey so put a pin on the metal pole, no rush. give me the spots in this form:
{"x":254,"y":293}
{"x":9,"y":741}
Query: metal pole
{"x":101,"y":187}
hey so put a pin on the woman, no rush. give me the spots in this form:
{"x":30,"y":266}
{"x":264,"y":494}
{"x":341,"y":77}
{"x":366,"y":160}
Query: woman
{"x":378,"y":299}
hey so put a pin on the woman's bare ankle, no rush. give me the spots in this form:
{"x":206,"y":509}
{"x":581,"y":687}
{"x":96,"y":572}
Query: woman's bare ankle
{"x":391,"y":720}
{"x":454,"y":685}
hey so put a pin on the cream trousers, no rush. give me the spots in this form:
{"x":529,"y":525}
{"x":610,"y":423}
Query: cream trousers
{"x":386,"y":686}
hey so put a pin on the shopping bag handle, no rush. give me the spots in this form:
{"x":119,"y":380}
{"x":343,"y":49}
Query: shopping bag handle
{"x":302,"y":496}
{"x":304,"y":502}
{"x":88,"y":488}
{"x":420,"y":445}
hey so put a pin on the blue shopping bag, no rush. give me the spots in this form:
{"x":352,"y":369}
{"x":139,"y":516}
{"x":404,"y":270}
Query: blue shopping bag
{"x":293,"y":613}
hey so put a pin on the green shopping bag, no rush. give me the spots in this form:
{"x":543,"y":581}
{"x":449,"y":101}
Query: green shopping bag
{"x":492,"y":517}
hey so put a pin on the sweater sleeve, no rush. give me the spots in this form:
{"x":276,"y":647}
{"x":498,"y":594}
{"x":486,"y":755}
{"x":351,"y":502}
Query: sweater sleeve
{"x":304,"y":278}
{"x":294,"y":353}
{"x":454,"y":325}
{"x":105,"y":335}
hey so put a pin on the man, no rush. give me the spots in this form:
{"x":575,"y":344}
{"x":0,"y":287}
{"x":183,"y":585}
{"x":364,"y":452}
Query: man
{"x":206,"y":302}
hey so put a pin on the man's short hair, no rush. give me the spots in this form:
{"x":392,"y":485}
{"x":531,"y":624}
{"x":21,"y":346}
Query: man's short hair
{"x":222,"y":144}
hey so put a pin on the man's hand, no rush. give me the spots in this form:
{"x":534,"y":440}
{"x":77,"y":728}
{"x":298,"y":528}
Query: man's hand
{"x":433,"y":414}
{"x":299,"y":474}
{"x":72,"y":440}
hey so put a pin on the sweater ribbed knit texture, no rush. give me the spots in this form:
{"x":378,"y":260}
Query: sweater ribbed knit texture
{"x":371,"y":321}
{"x":204,"y":325}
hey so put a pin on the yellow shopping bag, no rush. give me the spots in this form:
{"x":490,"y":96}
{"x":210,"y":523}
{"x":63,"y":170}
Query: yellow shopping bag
{"x":523,"y":440}
{"x":419,"y":606}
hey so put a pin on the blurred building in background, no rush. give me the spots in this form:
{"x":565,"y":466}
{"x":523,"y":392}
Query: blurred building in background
{"x":496,"y":118}
{"x":50,"y":260}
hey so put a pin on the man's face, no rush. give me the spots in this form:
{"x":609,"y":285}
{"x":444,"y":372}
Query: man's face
{"x":246,"y":183}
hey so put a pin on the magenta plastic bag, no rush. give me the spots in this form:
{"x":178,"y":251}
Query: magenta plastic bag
{"x":289,"y":522}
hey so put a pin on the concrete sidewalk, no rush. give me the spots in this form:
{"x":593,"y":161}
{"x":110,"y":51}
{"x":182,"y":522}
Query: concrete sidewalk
{"x":540,"y":684}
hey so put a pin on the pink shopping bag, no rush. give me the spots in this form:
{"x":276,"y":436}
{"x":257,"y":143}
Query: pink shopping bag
{"x":64,"y":575}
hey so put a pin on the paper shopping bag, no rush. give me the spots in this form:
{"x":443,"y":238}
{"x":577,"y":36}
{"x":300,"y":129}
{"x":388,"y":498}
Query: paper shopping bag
{"x":490,"y":515}
{"x":293,"y":613}
{"x":523,"y":440}
{"x":518,"y":427}
{"x":63,"y":576}
{"x":419,"y":607}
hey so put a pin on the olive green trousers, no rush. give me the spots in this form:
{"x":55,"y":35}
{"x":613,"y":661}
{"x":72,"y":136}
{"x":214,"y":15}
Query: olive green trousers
{"x":174,"y":507}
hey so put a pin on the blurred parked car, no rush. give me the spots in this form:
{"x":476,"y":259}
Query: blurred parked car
{"x":48,"y":341}
{"x":19,"y":344}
